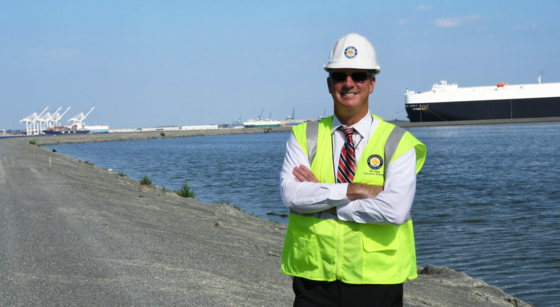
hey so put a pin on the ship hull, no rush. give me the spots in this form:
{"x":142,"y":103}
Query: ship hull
{"x":262,"y":126}
{"x":65,"y":132}
{"x":484,"y":109}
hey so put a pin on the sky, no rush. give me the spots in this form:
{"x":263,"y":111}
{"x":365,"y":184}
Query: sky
{"x":155,"y":63}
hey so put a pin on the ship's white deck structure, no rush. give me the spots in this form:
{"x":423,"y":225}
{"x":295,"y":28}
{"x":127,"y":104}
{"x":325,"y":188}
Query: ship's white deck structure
{"x":452,"y":93}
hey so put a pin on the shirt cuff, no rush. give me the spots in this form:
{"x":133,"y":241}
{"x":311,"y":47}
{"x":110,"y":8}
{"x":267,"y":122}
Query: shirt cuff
{"x":345,"y":212}
{"x":338,"y":192}
{"x":334,"y":195}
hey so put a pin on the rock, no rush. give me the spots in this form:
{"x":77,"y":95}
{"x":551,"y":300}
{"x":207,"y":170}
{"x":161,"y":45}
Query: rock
{"x":440,"y":286}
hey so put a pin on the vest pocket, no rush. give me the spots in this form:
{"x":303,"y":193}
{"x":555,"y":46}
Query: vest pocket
{"x":378,"y":246}
{"x":380,"y":260}
{"x":306,"y":254}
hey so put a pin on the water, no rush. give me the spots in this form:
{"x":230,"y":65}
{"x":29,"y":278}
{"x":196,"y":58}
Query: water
{"x":486,"y":202}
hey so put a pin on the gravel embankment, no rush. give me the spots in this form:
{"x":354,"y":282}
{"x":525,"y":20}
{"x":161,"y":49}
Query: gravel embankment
{"x":73,"y":234}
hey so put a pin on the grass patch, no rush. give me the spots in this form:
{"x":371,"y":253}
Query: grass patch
{"x":121,"y":174}
{"x":162,"y":134}
{"x":228,"y":202}
{"x":234,"y":206}
{"x":186,"y":190}
{"x":145,"y":180}
{"x":33,"y":143}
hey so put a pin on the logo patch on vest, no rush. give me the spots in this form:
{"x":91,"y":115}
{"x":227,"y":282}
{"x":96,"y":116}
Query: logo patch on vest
{"x":375,"y":161}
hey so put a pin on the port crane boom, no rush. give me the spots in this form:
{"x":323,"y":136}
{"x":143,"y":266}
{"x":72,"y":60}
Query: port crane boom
{"x":57,"y":117}
{"x":392,"y":116}
{"x":32,"y":123}
{"x":79,"y":120}
{"x":46,"y":120}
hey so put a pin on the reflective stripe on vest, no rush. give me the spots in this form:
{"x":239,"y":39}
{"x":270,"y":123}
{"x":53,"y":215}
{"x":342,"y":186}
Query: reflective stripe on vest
{"x":327,"y":250}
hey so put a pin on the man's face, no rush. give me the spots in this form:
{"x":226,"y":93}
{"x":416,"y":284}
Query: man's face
{"x":349,"y":95}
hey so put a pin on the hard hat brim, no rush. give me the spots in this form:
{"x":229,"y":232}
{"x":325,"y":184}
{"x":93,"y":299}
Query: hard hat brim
{"x":374,"y":70}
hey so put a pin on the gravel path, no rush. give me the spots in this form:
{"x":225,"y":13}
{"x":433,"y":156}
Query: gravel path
{"x":73,"y":234}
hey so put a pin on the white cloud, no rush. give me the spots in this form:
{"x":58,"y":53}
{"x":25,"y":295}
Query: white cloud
{"x":454,"y":21}
{"x":423,"y":7}
{"x":527,"y":26}
{"x":53,"y":54}
{"x":403,"y":21}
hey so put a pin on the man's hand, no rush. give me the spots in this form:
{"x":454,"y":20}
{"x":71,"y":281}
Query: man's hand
{"x":362,"y":191}
{"x":304,"y":174}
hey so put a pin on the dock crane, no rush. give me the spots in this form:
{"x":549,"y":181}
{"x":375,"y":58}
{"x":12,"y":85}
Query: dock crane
{"x":45,"y":121}
{"x":57,"y":117}
{"x":79,"y":120}
{"x":260,"y":116}
{"x":31,"y":123}
{"x":291,"y":117}
{"x":324,"y":112}
{"x":393,"y":115}
{"x":237,"y":122}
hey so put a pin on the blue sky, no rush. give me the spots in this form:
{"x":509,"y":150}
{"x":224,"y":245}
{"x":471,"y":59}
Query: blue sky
{"x":150,"y":63}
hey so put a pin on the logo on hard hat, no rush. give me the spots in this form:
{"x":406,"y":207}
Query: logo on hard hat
{"x":375,"y":161}
{"x":350,"y":52}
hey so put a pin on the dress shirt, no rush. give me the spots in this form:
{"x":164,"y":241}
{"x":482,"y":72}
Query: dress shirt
{"x":392,"y":206}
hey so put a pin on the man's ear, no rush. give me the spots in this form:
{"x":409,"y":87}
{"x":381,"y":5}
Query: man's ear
{"x":372,"y":83}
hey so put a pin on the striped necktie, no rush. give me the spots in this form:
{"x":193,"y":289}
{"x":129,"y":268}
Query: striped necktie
{"x":347,"y":162}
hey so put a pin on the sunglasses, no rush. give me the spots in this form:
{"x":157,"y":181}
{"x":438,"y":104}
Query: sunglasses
{"x":339,"y":76}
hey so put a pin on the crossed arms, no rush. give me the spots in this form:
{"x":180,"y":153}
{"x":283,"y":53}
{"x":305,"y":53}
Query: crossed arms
{"x":354,"y":191}
{"x":302,"y":192}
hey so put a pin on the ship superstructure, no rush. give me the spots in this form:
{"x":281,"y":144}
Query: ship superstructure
{"x":260,"y":123}
{"x":449,"y":102}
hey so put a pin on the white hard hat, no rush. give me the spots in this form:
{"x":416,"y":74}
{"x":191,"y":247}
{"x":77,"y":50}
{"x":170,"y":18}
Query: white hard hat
{"x":353,"y":51}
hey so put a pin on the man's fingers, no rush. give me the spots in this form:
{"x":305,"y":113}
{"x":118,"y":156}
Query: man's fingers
{"x":308,"y":174}
{"x":299,"y":176}
{"x":302,"y":174}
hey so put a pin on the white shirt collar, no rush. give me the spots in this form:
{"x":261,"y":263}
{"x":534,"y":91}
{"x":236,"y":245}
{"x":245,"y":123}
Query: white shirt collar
{"x":362,"y":126}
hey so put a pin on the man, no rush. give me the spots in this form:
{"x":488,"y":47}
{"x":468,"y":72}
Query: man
{"x":349,"y":181}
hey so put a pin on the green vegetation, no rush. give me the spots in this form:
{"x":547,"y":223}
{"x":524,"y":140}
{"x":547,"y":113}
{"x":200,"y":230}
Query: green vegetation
{"x":33,"y":143}
{"x":121,"y":174}
{"x":145,"y":180}
{"x":162,"y":134}
{"x":186,"y":191}
{"x":163,"y":188}
{"x":234,"y":206}
{"x":228,"y":202}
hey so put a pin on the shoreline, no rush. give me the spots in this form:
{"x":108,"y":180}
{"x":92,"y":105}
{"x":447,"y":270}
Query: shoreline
{"x":154,"y":244}
{"x":133,"y":136}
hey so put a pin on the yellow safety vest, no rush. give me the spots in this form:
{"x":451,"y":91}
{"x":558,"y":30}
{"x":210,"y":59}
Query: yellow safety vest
{"x":328,"y":250}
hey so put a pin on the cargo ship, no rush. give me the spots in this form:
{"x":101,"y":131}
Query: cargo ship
{"x":261,"y":123}
{"x":65,"y":130}
{"x":449,"y":102}
{"x":97,"y":129}
{"x":267,"y":123}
